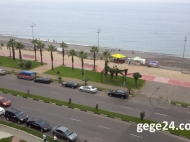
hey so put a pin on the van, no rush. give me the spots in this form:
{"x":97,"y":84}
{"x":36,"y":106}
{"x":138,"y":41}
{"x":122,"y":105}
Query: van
{"x":29,"y":75}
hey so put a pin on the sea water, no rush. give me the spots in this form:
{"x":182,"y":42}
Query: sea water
{"x":142,"y":26}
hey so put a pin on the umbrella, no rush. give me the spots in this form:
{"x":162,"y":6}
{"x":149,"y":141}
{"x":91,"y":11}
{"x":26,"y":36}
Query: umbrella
{"x":137,"y":59}
{"x":118,"y":56}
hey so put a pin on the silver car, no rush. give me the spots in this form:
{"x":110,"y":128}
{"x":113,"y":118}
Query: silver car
{"x":2,"y":111}
{"x":2,"y":72}
{"x":65,"y":133}
{"x":89,"y":89}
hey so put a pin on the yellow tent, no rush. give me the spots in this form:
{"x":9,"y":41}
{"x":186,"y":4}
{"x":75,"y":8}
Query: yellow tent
{"x":118,"y":56}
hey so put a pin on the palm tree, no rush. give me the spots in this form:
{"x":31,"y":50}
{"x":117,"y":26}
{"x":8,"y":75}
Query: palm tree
{"x":9,"y":47}
{"x":51,"y":48}
{"x":35,"y":42}
{"x":136,"y":76}
{"x":41,"y":45}
{"x":106,"y":57}
{"x":72,"y":53}
{"x":82,"y":55}
{"x":19,"y":46}
{"x":11,"y":44}
{"x":94,"y":49}
{"x":63,"y":46}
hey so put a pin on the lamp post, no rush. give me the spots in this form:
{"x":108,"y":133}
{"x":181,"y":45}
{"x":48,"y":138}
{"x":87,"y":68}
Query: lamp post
{"x":184,"y":50}
{"x":83,"y":90}
{"x":32,"y":29}
{"x":98,"y":35}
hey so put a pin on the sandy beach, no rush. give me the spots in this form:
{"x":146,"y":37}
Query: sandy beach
{"x":169,"y":66}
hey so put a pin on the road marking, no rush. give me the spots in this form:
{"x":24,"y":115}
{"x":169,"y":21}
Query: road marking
{"x":100,"y":102}
{"x":187,"y":119}
{"x":162,"y":107}
{"x":98,"y":139}
{"x":127,"y":107}
{"x":75,"y":119}
{"x":34,"y":88}
{"x":134,"y":102}
{"x":160,"y":114}
{"x":77,"y":97}
{"x":104,"y":127}
{"x":28,"y":108}
{"x":56,"y":92}
{"x":52,"y":114}
{"x":136,"y":136}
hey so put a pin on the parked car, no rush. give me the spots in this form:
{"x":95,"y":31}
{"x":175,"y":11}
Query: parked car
{"x":2,"y":72}
{"x":88,"y":88}
{"x":65,"y":133}
{"x":70,"y":84}
{"x":15,"y":115}
{"x":43,"y":80}
{"x":4,"y":102}
{"x":39,"y":124}
{"x":2,"y":111}
{"x":29,"y":75}
{"x":118,"y":93}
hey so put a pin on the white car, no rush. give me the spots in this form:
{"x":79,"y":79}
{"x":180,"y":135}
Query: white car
{"x":89,"y":89}
{"x":2,"y":111}
{"x":2,"y":72}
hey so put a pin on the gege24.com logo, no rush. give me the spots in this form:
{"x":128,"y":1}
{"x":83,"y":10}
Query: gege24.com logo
{"x":161,"y":127}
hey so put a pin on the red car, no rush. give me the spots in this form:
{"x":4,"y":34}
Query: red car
{"x":4,"y":102}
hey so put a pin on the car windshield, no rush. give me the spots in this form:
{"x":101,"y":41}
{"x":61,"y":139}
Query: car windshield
{"x":19,"y":113}
{"x":68,"y":132}
{"x":92,"y":87}
{"x":41,"y":123}
{"x":3,"y":100}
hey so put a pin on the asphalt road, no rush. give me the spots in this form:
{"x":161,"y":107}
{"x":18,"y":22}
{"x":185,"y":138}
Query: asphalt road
{"x":156,"y":109}
{"x":90,"y":127}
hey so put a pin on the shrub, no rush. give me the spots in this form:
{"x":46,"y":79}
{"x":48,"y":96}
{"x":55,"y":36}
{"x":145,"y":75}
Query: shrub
{"x":58,"y":72}
{"x":59,"y":78}
{"x":28,"y":64}
{"x":21,"y":64}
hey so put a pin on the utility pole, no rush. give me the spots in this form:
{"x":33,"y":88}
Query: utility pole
{"x":184,"y":50}
{"x":98,"y":35}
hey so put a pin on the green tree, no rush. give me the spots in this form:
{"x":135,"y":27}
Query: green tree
{"x":136,"y":76}
{"x":112,"y":71}
{"x":125,"y":70}
{"x":19,"y":46}
{"x":82,"y":55}
{"x":106,"y":57}
{"x":94,"y":49}
{"x":41,"y":46}
{"x":9,"y":47}
{"x":35,"y":42}
{"x":51,"y":48}
{"x":72,"y":53}
{"x":11,"y":43}
{"x":63,"y":45}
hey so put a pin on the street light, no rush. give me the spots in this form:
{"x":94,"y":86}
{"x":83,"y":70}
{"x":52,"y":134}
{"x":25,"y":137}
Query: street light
{"x":32,"y":29}
{"x":98,"y":35}
{"x":83,"y":88}
{"x":184,"y":50}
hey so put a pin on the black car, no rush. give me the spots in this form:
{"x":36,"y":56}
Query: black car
{"x":15,"y":115}
{"x":118,"y":93}
{"x":43,"y":80}
{"x":70,"y":84}
{"x":39,"y":124}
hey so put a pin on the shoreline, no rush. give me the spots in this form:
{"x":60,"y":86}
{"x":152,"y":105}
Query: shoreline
{"x":166,"y":61}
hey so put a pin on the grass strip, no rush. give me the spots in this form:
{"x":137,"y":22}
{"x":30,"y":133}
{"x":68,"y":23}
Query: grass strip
{"x":123,"y":117}
{"x":181,"y":103}
{"x":6,"y":139}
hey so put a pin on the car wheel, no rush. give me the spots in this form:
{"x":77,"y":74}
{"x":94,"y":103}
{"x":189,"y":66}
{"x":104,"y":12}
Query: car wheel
{"x":7,"y":118}
{"x":91,"y":92}
{"x":67,"y":140}
{"x":72,"y":87}
{"x":110,"y":95}
{"x":18,"y":77}
{"x":18,"y":122}
{"x":121,"y":97}
{"x":41,"y":130}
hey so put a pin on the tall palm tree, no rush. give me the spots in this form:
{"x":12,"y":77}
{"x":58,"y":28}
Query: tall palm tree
{"x":12,"y":43}
{"x":82,"y":55}
{"x":51,"y":48}
{"x":106,"y":56}
{"x":72,"y":53}
{"x":136,"y":76}
{"x":63,"y":45}
{"x":94,"y":49}
{"x":35,"y":42}
{"x":40,"y":46}
{"x":9,"y":47}
{"x":19,"y":46}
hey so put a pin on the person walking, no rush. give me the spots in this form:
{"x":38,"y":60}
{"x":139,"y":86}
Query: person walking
{"x":55,"y":138}
{"x":44,"y":137}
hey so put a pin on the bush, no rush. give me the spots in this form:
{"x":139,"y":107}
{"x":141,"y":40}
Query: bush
{"x":59,"y":78}
{"x":28,"y":64}
{"x":58,"y":72}
{"x":21,"y":64}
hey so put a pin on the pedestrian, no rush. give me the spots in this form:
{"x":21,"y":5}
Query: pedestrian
{"x":55,"y":138}
{"x":44,"y":137}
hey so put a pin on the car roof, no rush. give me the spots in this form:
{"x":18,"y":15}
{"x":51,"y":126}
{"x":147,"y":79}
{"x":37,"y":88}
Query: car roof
{"x":118,"y":90}
{"x":62,"y":128}
{"x":13,"y":110}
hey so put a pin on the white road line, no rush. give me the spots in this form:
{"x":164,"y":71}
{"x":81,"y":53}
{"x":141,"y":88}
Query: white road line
{"x":136,"y":136}
{"x":77,"y":97}
{"x":127,"y":107}
{"x":28,"y":108}
{"x":161,"y":114}
{"x":52,"y":114}
{"x":100,"y":102}
{"x":187,"y":119}
{"x":162,"y":107}
{"x":75,"y":119}
{"x":134,"y":102}
{"x":104,"y":127}
{"x":56,"y":92}
{"x":98,"y":139}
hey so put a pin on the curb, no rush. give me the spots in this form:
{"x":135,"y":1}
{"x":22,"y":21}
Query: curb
{"x":178,"y":104}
